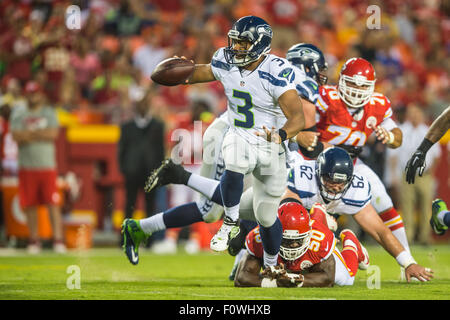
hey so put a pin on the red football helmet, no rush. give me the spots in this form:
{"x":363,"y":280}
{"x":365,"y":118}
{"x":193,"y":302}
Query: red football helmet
{"x":356,"y":82}
{"x":296,"y":230}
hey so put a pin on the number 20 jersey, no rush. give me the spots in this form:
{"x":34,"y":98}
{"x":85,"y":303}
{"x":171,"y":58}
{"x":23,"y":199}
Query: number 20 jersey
{"x":253,"y":95}
{"x":321,"y":246}
{"x":339,"y":124}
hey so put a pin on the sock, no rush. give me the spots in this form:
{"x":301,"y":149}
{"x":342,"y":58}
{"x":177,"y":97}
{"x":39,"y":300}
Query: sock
{"x":247,"y":225}
{"x":203,"y":185}
{"x":231,"y":187}
{"x":394,"y":222}
{"x":217,"y":196}
{"x":444,"y":217}
{"x":270,"y":259}
{"x":271,"y":238}
{"x":350,"y":255}
{"x":180,"y":216}
{"x":152,"y":224}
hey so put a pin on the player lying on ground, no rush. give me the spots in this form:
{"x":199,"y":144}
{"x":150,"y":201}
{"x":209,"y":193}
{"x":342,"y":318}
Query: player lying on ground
{"x":308,"y":255}
{"x":329,"y":181}
{"x":437,"y":130}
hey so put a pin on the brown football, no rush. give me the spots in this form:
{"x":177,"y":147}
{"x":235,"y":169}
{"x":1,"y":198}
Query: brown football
{"x":172,"y":71}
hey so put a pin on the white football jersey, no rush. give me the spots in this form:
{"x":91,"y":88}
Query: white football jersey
{"x":302,"y":181}
{"x":253,"y":95}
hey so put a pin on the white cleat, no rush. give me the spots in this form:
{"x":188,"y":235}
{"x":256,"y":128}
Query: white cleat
{"x":227,"y":231}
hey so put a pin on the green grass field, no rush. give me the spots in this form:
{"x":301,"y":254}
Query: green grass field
{"x":107,"y":274}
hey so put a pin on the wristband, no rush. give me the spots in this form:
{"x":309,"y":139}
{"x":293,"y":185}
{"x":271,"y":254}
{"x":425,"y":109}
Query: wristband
{"x":282,"y":134}
{"x":425,"y":145}
{"x":268,"y":283}
{"x":391,"y":137}
{"x":405,"y":259}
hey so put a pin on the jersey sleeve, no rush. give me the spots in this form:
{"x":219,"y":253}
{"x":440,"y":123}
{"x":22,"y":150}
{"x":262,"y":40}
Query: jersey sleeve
{"x":219,"y":65}
{"x":323,"y":99}
{"x":280,"y":76}
{"x":357,"y":197}
{"x":306,"y":87}
{"x":253,"y":243}
{"x":322,"y":242}
{"x":383,"y":103}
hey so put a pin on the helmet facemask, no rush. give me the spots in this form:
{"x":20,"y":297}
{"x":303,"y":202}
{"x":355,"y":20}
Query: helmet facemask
{"x":294,"y":244}
{"x":356,"y":91}
{"x":256,"y":49}
{"x":335,"y":186}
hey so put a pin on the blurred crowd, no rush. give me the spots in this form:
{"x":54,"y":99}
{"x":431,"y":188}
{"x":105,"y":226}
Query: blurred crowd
{"x":103,"y":69}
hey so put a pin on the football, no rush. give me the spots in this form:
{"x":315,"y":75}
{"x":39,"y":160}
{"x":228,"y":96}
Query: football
{"x":172,"y":71}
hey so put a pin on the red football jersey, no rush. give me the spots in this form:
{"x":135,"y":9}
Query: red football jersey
{"x":341,"y":125}
{"x":320,"y":248}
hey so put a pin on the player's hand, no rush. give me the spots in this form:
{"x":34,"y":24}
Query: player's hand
{"x":382,"y":134}
{"x":290,"y":280}
{"x":273,"y":271}
{"x":417,"y":161}
{"x":418,"y":272}
{"x":308,"y":139}
{"x":270,"y":135}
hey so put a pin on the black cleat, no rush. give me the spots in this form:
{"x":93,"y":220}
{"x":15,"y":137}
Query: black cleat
{"x":167,"y":173}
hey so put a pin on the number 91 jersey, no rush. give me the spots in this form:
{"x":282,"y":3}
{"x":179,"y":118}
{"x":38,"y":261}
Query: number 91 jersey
{"x":253,"y":95}
{"x":339,"y":124}
{"x":320,"y":248}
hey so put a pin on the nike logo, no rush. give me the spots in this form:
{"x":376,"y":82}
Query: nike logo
{"x":134,"y":258}
{"x":286,"y":74}
{"x":281,"y":153}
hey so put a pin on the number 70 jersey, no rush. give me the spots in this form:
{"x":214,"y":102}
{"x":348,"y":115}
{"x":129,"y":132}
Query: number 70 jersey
{"x":253,"y":95}
{"x":338,"y":124}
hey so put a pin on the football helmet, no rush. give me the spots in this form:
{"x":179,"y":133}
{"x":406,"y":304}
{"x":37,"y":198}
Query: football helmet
{"x":254,"y":30}
{"x":356,"y":82}
{"x":310,"y":59}
{"x":296,"y":230}
{"x":334,"y":173}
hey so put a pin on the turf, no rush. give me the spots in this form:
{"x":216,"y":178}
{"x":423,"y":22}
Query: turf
{"x":106,"y":274}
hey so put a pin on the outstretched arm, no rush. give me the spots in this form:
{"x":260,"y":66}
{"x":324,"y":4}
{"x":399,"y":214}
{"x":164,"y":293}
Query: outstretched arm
{"x":439,"y":127}
{"x":371,"y":223}
{"x":417,"y":161}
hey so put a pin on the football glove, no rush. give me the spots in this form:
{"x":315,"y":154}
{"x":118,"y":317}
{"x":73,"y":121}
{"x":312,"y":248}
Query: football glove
{"x":417,"y":161}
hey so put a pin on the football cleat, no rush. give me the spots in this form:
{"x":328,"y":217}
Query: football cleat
{"x":363,"y":254}
{"x":237,"y":243}
{"x":229,"y":230}
{"x":132,"y":238}
{"x":167,"y":173}
{"x":438,"y":206}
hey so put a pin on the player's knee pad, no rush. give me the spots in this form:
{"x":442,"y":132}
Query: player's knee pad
{"x":266,"y":210}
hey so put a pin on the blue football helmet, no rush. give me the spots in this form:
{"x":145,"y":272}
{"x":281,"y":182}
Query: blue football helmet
{"x":334,"y":173}
{"x":254,"y":30}
{"x":310,"y":59}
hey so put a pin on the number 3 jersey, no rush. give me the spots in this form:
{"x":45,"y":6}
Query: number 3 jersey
{"x":321,"y":246}
{"x":339,"y":124}
{"x":253,"y":95}
{"x":302,"y":181}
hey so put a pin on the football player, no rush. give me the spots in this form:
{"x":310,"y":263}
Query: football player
{"x":348,"y":114}
{"x":331,"y":181}
{"x":264,"y":110}
{"x":417,"y":161}
{"x":308,"y":253}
